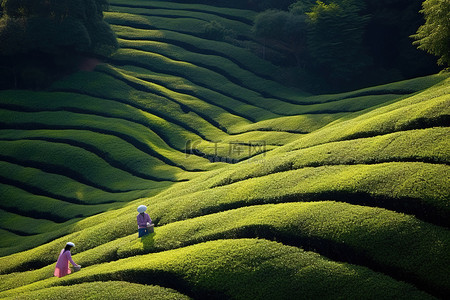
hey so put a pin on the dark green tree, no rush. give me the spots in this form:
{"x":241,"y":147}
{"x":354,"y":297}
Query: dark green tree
{"x":302,"y":6}
{"x":335,"y":36}
{"x":217,"y":31}
{"x":434,"y":35}
{"x":284,"y":30}
{"x":52,"y":26}
{"x":57,"y":32}
{"x":362,"y":42}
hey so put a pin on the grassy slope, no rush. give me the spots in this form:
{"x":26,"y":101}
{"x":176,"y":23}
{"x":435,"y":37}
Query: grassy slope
{"x":108,"y":289}
{"x":243,"y":269}
{"x":379,"y":154}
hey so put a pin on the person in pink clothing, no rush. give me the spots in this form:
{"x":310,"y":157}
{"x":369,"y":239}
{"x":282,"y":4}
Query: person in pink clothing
{"x":62,"y":265}
{"x":143,"y":221}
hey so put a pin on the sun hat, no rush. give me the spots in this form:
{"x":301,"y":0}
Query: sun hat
{"x":141,"y":208}
{"x":70,"y":244}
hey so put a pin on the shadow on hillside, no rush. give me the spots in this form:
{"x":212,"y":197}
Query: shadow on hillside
{"x":148,"y":242}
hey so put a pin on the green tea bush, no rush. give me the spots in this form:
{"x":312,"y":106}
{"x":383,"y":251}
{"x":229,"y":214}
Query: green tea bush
{"x":219,"y":83}
{"x":242,"y":14}
{"x":221,"y":65}
{"x":55,"y":101}
{"x":110,"y":289}
{"x":409,"y":187}
{"x":183,"y":85}
{"x":338,"y":230}
{"x":157,"y":15}
{"x":64,"y":188}
{"x":237,"y":54}
{"x":217,"y":118}
{"x":27,"y":225}
{"x":85,"y":167}
{"x":159,"y":105}
{"x":114,"y":150}
{"x":48,"y":207}
{"x":302,"y":124}
{"x":430,"y":146}
{"x":241,"y":269}
{"x":138,"y":135}
{"x":426,"y":109}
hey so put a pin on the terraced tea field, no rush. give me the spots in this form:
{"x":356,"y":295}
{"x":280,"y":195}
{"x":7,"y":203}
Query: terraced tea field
{"x":257,"y":190}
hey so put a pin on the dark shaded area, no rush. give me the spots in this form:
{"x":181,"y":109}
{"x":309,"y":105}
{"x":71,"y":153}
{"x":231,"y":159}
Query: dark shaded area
{"x":43,"y":40}
{"x":36,"y":70}
{"x":377,"y":49}
{"x":367,"y":44}
{"x":387,"y":38}
{"x":257,"y":5}
{"x":358,"y":44}
{"x":148,"y":5}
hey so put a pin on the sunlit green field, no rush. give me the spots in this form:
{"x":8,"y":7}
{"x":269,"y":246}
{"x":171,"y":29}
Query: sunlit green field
{"x":257,"y":190}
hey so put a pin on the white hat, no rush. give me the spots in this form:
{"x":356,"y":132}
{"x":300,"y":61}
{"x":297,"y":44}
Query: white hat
{"x":141,"y":208}
{"x":70,"y":244}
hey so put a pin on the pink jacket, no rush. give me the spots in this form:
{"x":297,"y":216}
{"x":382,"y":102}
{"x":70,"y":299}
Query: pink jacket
{"x":62,"y":265}
{"x":142,"y":220}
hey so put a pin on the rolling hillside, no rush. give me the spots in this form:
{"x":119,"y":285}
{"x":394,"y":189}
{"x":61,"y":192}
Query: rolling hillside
{"x":257,"y":190}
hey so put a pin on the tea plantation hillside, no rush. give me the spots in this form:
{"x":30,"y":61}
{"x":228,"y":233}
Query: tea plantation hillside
{"x":257,"y":190}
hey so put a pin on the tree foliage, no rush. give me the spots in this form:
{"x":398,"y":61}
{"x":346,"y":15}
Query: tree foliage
{"x":434,"y":35}
{"x":277,"y":24}
{"x":50,"y":26}
{"x":324,"y":38}
{"x":217,"y":31}
{"x":335,"y":36}
{"x":43,"y":39}
{"x":350,"y":44}
{"x":284,"y":28}
{"x":302,"y":6}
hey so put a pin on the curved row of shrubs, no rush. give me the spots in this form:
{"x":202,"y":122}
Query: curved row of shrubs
{"x":338,"y":230}
{"x":241,"y":269}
